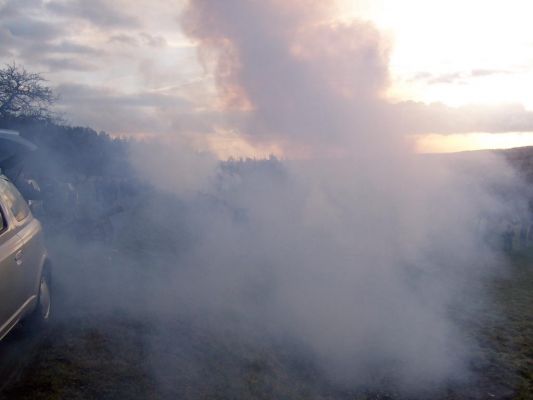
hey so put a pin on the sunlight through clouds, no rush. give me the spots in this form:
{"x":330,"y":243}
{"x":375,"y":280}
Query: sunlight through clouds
{"x":446,"y":58}
{"x":456,"y":52}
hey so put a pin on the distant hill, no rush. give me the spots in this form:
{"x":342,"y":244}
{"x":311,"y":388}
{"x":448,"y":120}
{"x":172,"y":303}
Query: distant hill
{"x":522,"y":159}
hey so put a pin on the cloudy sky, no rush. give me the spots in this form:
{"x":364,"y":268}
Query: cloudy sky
{"x":461,"y":72}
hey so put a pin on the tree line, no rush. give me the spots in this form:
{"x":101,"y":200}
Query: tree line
{"x":26,"y":105}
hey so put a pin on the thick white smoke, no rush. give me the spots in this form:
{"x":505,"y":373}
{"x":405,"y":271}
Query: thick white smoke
{"x":307,"y":81}
{"x":361,"y":252}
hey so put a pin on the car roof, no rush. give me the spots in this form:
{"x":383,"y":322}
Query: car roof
{"x":13,"y":148}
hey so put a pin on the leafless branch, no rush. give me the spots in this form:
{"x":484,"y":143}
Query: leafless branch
{"x":24,"y":94}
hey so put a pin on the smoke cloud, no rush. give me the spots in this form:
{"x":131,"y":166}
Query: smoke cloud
{"x":362,"y":253}
{"x":307,"y":81}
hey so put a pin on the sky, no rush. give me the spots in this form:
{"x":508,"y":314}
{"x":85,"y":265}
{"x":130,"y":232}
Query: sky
{"x":463,"y":71}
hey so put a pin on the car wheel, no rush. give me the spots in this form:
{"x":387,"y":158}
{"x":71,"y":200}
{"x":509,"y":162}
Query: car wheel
{"x":44,"y":303}
{"x":41,"y":314}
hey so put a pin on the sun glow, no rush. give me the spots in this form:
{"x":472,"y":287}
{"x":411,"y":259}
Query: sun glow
{"x":457,"y":53}
{"x":433,"y":143}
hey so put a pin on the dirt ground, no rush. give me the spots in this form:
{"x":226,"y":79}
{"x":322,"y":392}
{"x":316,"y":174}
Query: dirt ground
{"x":94,"y":351}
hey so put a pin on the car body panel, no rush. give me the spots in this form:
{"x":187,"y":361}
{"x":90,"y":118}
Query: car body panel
{"x":12,"y":289}
{"x":33,"y":254}
{"x":22,"y":257}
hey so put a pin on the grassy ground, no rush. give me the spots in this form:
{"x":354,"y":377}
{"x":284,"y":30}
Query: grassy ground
{"x":96,"y":352}
{"x":507,"y":337}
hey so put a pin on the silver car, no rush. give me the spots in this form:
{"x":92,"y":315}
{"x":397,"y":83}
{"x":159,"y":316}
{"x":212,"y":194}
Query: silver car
{"x":25,"y":271}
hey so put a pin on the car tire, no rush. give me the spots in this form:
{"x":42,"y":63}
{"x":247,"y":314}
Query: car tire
{"x":41,"y":315}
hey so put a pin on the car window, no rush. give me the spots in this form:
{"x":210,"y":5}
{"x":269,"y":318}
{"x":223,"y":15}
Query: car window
{"x":15,"y":202}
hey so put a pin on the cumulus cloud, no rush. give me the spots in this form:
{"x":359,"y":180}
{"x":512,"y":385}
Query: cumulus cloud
{"x":143,"y":38}
{"x":6,"y":42}
{"x":420,"y":118}
{"x":91,"y":45}
{"x":457,"y":77}
{"x":102,"y":13}
{"x":32,"y":39}
{"x":59,"y":39}
{"x":153,"y":40}
{"x":138,"y":114}
{"x":124,"y":39}
{"x":11,"y":8}
{"x":32,"y":29}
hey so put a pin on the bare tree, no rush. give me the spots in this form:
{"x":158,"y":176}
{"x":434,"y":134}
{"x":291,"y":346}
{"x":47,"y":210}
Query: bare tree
{"x":24,"y":94}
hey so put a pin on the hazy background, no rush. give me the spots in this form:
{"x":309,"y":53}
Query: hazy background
{"x":347,"y":251}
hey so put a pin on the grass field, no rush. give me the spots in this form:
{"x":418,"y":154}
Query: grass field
{"x":506,"y":338}
{"x":94,"y":351}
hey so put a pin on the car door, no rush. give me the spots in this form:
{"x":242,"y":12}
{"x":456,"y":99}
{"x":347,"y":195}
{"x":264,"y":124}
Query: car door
{"x":31,"y":246}
{"x":32,"y":257}
{"x":12,"y":286}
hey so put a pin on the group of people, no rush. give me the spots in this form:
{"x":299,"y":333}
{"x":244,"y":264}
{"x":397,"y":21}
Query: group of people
{"x":80,"y":205}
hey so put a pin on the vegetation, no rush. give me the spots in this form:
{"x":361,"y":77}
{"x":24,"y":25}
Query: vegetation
{"x":63,"y":151}
{"x":24,"y":94}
